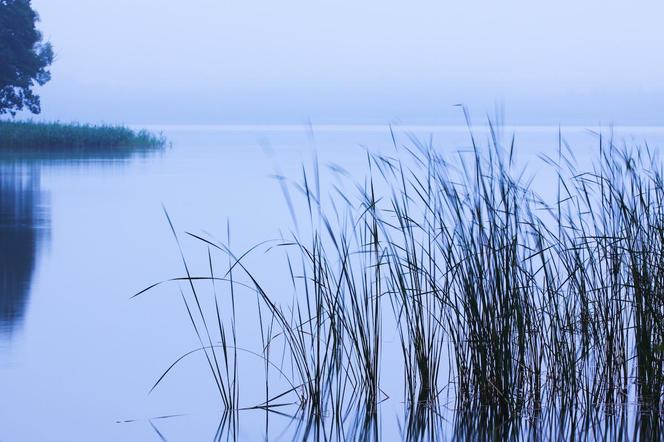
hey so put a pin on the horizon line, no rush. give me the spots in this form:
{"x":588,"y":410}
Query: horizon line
{"x":327,"y":127}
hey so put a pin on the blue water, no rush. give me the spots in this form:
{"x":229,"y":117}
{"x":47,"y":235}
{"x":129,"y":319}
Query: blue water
{"x":80,"y":236}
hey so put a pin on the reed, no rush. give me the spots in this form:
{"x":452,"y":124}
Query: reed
{"x":509,"y":302}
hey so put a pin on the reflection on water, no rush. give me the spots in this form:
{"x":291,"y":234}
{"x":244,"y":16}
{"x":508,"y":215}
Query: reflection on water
{"x":23,"y":224}
{"x":25,"y":220}
{"x":628,"y":423}
{"x":622,"y":424}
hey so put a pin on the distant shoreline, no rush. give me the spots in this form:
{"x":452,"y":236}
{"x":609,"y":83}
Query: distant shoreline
{"x":76,"y":137}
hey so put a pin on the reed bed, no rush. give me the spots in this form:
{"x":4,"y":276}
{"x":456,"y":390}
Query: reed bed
{"x":504,"y":300}
{"x":28,"y":135}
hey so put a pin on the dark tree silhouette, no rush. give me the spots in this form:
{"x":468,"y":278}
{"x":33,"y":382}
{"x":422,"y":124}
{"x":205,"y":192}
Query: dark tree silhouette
{"x":24,"y":57}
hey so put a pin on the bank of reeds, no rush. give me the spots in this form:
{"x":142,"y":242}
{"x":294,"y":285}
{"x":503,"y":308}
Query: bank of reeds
{"x":508,"y":300}
{"x":55,"y":136}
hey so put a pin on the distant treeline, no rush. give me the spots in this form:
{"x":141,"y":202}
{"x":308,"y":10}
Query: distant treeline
{"x":60,"y":136}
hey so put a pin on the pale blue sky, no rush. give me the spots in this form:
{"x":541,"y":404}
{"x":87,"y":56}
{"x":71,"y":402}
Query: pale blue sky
{"x":343,"y":61}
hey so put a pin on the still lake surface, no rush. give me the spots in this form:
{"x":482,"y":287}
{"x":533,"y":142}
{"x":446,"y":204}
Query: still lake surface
{"x":79,"y":236}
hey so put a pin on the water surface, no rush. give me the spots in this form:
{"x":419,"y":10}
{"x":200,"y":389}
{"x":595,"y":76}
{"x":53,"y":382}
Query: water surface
{"x":80,"y":236}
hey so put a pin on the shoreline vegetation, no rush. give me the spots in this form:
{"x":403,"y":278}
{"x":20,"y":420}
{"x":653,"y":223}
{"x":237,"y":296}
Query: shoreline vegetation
{"x":502,"y":301}
{"x":74,"y":137}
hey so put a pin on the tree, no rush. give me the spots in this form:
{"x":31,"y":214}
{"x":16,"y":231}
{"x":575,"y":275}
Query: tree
{"x":24,"y":57}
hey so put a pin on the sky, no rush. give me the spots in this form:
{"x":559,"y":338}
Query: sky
{"x":349,"y":61}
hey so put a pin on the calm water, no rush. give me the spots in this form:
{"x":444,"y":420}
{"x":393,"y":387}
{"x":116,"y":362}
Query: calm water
{"x":80,"y":236}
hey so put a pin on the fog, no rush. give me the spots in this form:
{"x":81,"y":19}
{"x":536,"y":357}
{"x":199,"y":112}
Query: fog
{"x":292,"y":61}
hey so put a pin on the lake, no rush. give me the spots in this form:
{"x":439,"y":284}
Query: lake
{"x":80,"y":236}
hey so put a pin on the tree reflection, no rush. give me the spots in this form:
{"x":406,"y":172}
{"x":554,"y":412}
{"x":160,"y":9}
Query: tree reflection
{"x":23,"y":223}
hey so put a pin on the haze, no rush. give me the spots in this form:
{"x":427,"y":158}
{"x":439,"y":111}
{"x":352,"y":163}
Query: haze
{"x":260,"y":62}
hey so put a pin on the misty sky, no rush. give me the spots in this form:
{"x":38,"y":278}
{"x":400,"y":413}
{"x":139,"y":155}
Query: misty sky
{"x":343,"y":61}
